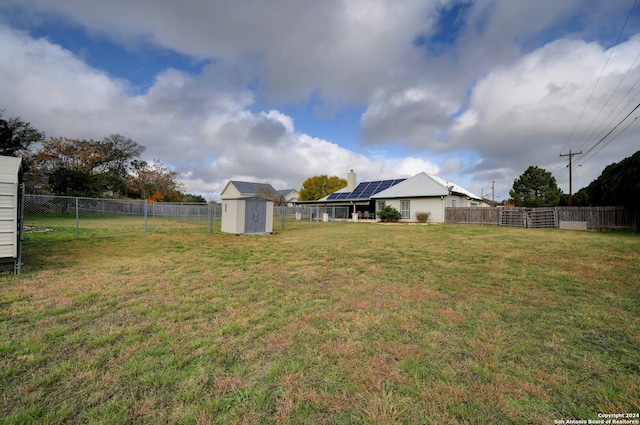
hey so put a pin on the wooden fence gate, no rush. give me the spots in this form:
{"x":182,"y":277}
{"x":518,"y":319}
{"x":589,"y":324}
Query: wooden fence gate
{"x":591,"y":217}
{"x":532,"y":218}
{"x":512,"y":217}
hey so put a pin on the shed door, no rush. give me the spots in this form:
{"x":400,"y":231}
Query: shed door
{"x":255,"y":216}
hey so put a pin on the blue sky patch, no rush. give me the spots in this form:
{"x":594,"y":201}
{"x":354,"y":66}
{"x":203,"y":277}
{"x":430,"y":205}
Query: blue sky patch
{"x":453,"y":19}
{"x":139,"y":65}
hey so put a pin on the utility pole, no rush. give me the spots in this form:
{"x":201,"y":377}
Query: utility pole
{"x":570,"y":155}
{"x":493,"y":193}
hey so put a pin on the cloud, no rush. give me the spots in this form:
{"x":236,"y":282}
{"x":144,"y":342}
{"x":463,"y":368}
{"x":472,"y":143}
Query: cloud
{"x":196,"y":124}
{"x":415,"y":115}
{"x":528,"y":113}
{"x":504,"y":93}
{"x":334,"y":48}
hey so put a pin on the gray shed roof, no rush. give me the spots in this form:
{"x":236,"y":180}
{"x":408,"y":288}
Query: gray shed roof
{"x":251,"y":187}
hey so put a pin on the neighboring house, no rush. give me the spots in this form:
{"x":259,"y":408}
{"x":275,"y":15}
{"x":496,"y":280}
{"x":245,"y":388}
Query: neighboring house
{"x":238,"y":189}
{"x":422,"y":192}
{"x":290,"y":195}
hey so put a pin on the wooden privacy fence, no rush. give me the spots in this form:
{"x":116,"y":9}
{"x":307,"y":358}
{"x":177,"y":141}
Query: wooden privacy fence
{"x":591,"y":217}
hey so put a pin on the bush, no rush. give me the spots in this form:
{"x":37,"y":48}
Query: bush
{"x":422,"y":216}
{"x":388,"y":213}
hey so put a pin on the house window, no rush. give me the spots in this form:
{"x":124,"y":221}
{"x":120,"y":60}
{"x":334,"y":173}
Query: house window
{"x":405,"y":210}
{"x":453,"y":203}
{"x":379,"y":205}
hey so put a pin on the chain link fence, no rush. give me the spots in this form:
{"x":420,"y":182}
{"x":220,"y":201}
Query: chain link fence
{"x":90,"y":215}
{"x":83,"y":217}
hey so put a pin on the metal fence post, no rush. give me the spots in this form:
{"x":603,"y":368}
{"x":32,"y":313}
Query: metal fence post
{"x":282,"y":214}
{"x":146,"y":220}
{"x":17,"y":266}
{"x":77,"y":220}
{"x":210,"y":216}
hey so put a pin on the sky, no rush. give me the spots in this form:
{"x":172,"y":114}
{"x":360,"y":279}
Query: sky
{"x":277,"y":91}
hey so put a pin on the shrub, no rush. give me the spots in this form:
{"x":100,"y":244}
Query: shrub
{"x":422,"y":216}
{"x":388,"y":213}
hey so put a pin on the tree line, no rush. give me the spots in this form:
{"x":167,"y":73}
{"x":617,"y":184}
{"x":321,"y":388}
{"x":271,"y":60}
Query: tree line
{"x":617,"y":185}
{"x":88,"y":168}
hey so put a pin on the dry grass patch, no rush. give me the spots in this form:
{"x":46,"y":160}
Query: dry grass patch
{"x":344,"y":323}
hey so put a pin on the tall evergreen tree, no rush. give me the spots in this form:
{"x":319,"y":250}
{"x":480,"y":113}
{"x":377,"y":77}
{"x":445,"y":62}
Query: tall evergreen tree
{"x":536,"y":187}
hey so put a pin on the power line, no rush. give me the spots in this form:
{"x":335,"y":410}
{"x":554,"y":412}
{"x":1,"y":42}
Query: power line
{"x":584,"y":158}
{"x":612,"y":130}
{"x":586,"y":140}
{"x":600,"y":76}
{"x":611,"y":140}
{"x":610,"y":119}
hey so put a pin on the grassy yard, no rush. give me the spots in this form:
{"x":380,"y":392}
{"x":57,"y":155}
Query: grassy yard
{"x":322,"y":323}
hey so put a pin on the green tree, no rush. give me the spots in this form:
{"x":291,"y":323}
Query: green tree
{"x":17,"y":136}
{"x":318,"y":187}
{"x":66,"y":166}
{"x":156,"y":181}
{"x":582,"y":198}
{"x":118,"y":154}
{"x":188,"y":197}
{"x":74,"y":182}
{"x":85,"y":167}
{"x":536,"y":187}
{"x":619,"y":184}
{"x":267,"y":191}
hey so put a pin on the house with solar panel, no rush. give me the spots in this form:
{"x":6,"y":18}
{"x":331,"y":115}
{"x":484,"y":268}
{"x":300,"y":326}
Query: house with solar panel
{"x":420,"y":193}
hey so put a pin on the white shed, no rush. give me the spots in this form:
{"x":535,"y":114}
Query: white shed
{"x":10,"y":208}
{"x":251,"y":214}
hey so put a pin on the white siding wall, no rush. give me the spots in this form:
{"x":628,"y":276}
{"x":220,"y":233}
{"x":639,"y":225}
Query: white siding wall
{"x":269,"y":218}
{"x":8,"y":219}
{"x":230,"y":192}
{"x":232,"y":216}
{"x":433,"y":205}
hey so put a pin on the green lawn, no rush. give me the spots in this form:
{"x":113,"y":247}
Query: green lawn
{"x":321,"y":323}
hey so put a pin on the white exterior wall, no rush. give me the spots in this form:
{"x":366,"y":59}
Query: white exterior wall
{"x":433,"y":205}
{"x":8,"y":220}
{"x":269,"y":218}
{"x":232,"y":216}
{"x":230,"y":192}
{"x":461,"y":201}
{"x":9,"y":170}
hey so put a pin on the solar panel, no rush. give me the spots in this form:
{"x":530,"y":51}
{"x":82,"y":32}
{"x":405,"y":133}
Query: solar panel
{"x":365,"y":190}
{"x":358,"y":190}
{"x":367,"y":193}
